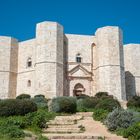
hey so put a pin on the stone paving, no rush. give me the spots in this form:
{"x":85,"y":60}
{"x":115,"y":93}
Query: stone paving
{"x":80,"y":126}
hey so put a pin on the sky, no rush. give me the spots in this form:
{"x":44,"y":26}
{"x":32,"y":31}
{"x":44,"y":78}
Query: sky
{"x":18,"y":18}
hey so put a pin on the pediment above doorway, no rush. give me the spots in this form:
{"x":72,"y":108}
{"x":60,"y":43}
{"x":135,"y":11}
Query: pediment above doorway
{"x":79,"y":71}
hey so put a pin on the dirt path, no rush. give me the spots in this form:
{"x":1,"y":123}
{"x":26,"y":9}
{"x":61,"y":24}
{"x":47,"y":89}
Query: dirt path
{"x":97,"y":128}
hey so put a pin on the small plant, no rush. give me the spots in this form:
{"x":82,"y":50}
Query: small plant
{"x":100,"y":114}
{"x":107,"y":103}
{"x":38,"y":119}
{"x":85,"y":104}
{"x":134,"y":102}
{"x":101,"y":94}
{"x":82,"y":128}
{"x":23,"y":96}
{"x":10,"y":107}
{"x":82,"y":96}
{"x":41,"y":102}
{"x":39,"y":96}
{"x":132,"y":132}
{"x":63,"y":104}
{"x":42,"y":138}
{"x":12,"y":131}
{"x":119,"y":118}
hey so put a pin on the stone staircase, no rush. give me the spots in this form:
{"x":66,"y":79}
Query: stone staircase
{"x":79,"y":126}
{"x":68,"y":128}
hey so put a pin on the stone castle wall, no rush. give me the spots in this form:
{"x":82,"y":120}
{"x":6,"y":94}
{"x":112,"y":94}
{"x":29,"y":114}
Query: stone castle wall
{"x":8,"y":67}
{"x":25,"y":73}
{"x":49,"y":59}
{"x":109,"y":69}
{"x":80,"y":44}
{"x":54,"y":69}
{"x":132,"y":68}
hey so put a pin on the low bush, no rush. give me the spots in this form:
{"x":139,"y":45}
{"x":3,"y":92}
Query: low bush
{"x":39,"y":96}
{"x":40,"y":101}
{"x":10,"y":107}
{"x":101,"y":94}
{"x":63,"y":104}
{"x":82,"y":96}
{"x":38,"y":119}
{"x":134,"y":102}
{"x":87,"y":103}
{"x":132,"y":132}
{"x":107,"y":103}
{"x":11,"y":131}
{"x":42,"y":138}
{"x":15,"y":120}
{"x":100,"y":114}
{"x":119,"y":118}
{"x":23,"y":96}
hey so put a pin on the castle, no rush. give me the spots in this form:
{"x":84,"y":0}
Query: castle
{"x":59,"y":64}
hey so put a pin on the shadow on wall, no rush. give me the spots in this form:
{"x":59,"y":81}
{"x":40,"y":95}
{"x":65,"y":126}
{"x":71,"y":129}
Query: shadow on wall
{"x":65,"y":66}
{"x":130,"y":85}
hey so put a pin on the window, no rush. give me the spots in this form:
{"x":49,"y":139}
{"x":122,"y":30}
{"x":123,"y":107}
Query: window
{"x":78,"y":58}
{"x":29,"y":62}
{"x":29,"y":83}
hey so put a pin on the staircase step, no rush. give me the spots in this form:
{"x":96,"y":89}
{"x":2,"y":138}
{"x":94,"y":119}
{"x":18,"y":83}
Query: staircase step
{"x":78,"y":139}
{"x":64,"y":126}
{"x":85,"y":114}
{"x":72,"y":118}
{"x":56,"y":122}
{"x":73,"y":137}
{"x":62,"y":130}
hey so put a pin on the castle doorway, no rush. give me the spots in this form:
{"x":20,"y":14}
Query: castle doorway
{"x":78,"y":89}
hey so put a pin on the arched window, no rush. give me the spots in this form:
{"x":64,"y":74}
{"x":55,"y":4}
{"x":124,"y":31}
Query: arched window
{"x":29,"y":83}
{"x":29,"y":62}
{"x":78,"y":58}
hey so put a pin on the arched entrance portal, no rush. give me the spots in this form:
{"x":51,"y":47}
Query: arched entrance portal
{"x":78,"y":89}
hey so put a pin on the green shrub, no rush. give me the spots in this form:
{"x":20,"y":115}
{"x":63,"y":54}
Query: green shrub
{"x":23,"y":96}
{"x":39,"y":96}
{"x":100,"y":114}
{"x":86,"y":104}
{"x":39,"y":118}
{"x":42,"y":138}
{"x":12,"y":131}
{"x":134,"y":102}
{"x":63,"y":104}
{"x":82,"y":96}
{"x":10,"y":107}
{"x":119,"y":118}
{"x":107,"y":103}
{"x":132,"y":132}
{"x":15,"y":120}
{"x":101,"y":94}
{"x":40,"y":101}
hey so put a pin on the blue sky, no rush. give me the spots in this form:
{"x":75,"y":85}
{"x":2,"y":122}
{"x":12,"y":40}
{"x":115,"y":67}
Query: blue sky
{"x":19,"y":17}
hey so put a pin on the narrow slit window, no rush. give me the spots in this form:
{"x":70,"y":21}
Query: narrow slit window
{"x":78,"y":58}
{"x":29,"y":62}
{"x":29,"y":83}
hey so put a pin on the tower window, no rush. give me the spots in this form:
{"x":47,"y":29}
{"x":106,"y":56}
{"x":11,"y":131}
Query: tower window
{"x":29,"y":62}
{"x":29,"y":83}
{"x":78,"y":58}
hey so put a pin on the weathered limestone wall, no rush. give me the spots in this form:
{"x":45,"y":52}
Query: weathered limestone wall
{"x":49,"y":59}
{"x":8,"y":68}
{"x":13,"y":68}
{"x":132,"y":68}
{"x":25,"y":73}
{"x":109,"y":71}
{"x":80,"y":44}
